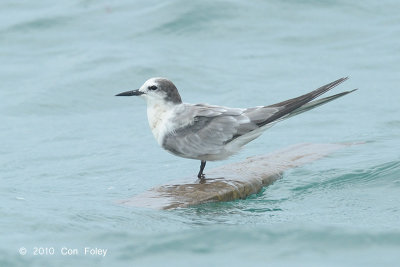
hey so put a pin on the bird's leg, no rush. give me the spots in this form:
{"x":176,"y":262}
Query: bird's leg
{"x":201,"y":175}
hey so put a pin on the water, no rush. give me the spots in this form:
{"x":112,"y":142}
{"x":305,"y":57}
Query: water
{"x":70,"y":150}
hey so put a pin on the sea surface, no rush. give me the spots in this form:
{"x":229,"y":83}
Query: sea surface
{"x":70,"y":150}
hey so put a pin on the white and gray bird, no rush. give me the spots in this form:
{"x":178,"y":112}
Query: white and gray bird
{"x":209,"y":133}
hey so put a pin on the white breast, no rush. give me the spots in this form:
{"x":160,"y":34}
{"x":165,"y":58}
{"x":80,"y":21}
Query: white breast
{"x":159,"y":117}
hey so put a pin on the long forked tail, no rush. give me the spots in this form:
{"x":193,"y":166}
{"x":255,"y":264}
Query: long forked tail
{"x":317,"y":103}
{"x":304,"y":103}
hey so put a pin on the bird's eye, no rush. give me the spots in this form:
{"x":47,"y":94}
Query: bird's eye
{"x":153,"y":87}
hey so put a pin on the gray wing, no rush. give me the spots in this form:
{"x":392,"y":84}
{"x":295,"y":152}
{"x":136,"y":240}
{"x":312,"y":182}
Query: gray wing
{"x":212,"y":128}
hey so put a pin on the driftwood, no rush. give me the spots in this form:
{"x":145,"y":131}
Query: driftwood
{"x":232,"y":181}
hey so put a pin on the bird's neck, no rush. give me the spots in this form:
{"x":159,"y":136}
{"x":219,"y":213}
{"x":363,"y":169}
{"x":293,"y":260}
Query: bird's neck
{"x":158,"y":114}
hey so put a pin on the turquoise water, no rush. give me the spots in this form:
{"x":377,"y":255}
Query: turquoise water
{"x":70,"y":150}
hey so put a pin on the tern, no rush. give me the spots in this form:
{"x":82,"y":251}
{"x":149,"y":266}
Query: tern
{"x":209,"y":133}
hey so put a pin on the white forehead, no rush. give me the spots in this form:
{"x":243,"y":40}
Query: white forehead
{"x":152,"y":81}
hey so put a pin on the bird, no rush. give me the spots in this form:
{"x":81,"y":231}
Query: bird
{"x":209,"y":132}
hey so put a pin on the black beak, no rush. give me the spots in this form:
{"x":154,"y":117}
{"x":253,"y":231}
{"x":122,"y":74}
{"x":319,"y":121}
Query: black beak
{"x":131,"y":93}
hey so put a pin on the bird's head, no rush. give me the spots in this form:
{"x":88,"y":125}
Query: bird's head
{"x":156,"y":90}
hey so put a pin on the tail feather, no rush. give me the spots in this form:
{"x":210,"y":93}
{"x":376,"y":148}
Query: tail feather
{"x":317,"y":103}
{"x":293,"y":104}
{"x":286,"y":109}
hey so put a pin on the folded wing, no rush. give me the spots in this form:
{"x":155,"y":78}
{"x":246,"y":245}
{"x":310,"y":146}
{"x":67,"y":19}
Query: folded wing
{"x":211,"y":129}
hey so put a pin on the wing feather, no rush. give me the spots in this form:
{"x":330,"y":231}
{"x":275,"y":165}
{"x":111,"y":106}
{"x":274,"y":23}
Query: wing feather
{"x":211,"y":128}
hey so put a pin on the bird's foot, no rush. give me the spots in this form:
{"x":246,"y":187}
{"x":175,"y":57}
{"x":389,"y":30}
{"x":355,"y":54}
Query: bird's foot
{"x":202,"y":178}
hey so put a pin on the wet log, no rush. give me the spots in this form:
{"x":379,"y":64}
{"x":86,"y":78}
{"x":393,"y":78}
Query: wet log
{"x":232,"y":181}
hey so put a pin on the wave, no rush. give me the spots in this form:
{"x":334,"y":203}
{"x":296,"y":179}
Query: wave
{"x":388,"y":172}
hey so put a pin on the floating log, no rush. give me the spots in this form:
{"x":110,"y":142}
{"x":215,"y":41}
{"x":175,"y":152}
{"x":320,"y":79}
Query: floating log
{"x":232,"y":181}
